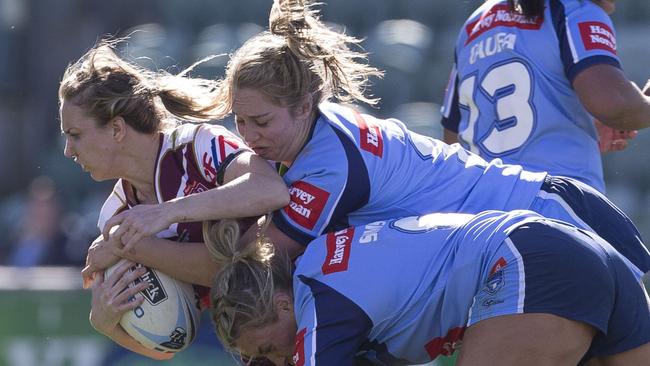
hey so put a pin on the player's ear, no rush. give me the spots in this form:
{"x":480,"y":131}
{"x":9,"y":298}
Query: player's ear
{"x":283,"y":302}
{"x":118,"y":127}
{"x":305,"y":106}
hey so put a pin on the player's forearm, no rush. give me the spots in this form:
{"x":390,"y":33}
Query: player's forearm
{"x":251,"y":194}
{"x":120,"y":337}
{"x":449,"y":136}
{"x":188,"y":262}
{"x":629,"y":109}
{"x":611,"y":98}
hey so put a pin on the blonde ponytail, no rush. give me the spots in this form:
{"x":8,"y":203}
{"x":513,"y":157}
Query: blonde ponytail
{"x":242,"y":291}
{"x":299,"y":57}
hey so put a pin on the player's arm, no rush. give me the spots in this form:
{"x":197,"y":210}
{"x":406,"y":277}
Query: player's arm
{"x":120,"y":337}
{"x":449,"y":136}
{"x":188,"y":262}
{"x":111,"y":298}
{"x":611,"y":98}
{"x":185,"y":261}
{"x":250,"y":187}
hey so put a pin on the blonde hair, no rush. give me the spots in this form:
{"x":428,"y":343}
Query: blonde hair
{"x":249,"y":276}
{"x":298,"y":57}
{"x":107,"y":86}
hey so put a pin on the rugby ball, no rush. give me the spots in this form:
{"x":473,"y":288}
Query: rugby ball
{"x":168,"y":318}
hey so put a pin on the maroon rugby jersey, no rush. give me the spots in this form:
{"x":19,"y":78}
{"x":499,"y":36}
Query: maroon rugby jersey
{"x":192,"y":158}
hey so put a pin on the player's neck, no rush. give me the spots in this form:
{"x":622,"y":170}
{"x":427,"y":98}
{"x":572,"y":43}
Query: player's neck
{"x":298,"y":143}
{"x":140,"y":164}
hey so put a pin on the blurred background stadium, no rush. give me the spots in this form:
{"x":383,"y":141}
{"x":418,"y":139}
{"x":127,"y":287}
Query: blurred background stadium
{"x":49,"y":207}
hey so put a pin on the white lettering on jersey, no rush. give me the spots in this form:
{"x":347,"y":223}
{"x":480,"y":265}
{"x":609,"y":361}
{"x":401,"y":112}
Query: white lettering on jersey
{"x":370,"y":232}
{"x":492,"y":45}
{"x":604,"y":41}
{"x":596,"y":29}
{"x":301,"y":195}
{"x":300,"y":209}
{"x":341,"y":241}
{"x":372,"y":138}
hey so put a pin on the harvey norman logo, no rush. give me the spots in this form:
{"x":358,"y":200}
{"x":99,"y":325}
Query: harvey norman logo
{"x":445,"y":345}
{"x":597,"y":35}
{"x":500,"y":16}
{"x":299,"y":353}
{"x":338,"y":251}
{"x":306,"y":203}
{"x":370,"y":136}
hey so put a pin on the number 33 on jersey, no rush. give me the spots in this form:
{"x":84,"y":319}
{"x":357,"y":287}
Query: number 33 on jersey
{"x":510,"y":93}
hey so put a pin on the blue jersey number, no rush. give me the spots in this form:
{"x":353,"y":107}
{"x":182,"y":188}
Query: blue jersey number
{"x":508,"y":88}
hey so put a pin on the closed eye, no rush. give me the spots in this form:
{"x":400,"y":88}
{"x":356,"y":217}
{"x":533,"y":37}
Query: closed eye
{"x":265,"y":350}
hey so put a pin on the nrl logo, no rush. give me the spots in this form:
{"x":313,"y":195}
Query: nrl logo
{"x":177,"y":339}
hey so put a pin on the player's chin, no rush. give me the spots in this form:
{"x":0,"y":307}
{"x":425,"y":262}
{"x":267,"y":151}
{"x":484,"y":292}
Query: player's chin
{"x":97,"y":177}
{"x":267,"y":154}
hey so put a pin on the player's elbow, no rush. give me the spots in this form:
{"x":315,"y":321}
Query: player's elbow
{"x":278,"y":194}
{"x":623,"y":112}
{"x":612,"y":99}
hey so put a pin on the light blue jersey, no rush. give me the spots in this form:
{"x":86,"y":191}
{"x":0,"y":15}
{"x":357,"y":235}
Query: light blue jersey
{"x":356,"y":169}
{"x":510,"y":94}
{"x":403,"y":291}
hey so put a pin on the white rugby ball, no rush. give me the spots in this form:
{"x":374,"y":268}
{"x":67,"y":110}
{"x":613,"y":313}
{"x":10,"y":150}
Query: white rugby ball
{"x":168,"y":318}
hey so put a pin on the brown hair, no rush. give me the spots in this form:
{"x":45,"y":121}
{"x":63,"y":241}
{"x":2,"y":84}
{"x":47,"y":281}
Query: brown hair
{"x":249,"y":276}
{"x":107,"y":86}
{"x":298,"y":57}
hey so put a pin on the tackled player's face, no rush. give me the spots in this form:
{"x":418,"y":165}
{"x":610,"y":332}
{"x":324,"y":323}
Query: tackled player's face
{"x":275,"y":341}
{"x":271,"y":130}
{"x":87,"y":144}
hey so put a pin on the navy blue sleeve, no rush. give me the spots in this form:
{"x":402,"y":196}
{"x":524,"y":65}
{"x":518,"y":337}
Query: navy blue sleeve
{"x":331,"y":327}
{"x":326,"y":184}
{"x":586,"y":37}
{"x":450,"y":109}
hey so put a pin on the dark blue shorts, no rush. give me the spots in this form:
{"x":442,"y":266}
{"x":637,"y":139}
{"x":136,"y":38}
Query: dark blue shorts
{"x":553,"y":268}
{"x":569,"y":200}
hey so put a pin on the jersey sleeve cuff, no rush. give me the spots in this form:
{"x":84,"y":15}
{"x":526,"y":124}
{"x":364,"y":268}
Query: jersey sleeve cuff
{"x":224,"y":165}
{"x":591,"y":61}
{"x":295,"y":234}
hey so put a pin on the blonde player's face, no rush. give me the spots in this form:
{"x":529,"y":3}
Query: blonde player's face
{"x":275,"y":341}
{"x":271,"y":130}
{"x":87,"y":144}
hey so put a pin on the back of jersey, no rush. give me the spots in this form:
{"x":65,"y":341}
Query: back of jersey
{"x":398,"y":289}
{"x":511,"y":95}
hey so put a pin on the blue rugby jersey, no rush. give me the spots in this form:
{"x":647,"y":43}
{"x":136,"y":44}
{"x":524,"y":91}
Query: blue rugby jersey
{"x":403,"y":291}
{"x":383,"y":288}
{"x":510,"y":94}
{"x":356,"y":169}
